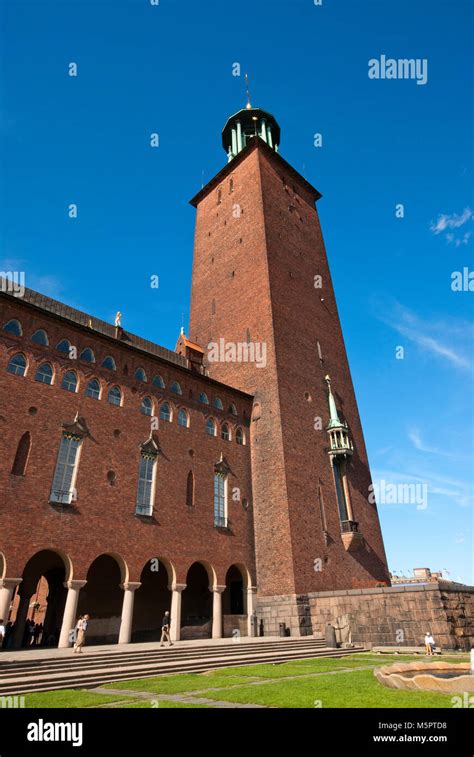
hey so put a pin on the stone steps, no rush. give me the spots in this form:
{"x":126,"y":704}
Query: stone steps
{"x":92,"y":670}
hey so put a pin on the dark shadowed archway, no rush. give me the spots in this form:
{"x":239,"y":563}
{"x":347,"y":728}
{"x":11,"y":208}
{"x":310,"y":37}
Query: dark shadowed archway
{"x":102,"y":599}
{"x":152,"y":599}
{"x":196,"y":611}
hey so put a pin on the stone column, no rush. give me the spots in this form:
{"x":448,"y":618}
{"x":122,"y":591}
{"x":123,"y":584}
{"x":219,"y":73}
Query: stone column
{"x":239,"y":136}
{"x":251,"y":603}
{"x":269,"y":135}
{"x":129,"y":590}
{"x":175,"y":630}
{"x":70,"y":611}
{"x":7,"y":587}
{"x":263,"y":129}
{"x":26,"y":592}
{"x":217,"y":611}
{"x":234,"y":142}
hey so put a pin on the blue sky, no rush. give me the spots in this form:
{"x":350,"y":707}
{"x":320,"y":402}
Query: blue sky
{"x":168,"y":69}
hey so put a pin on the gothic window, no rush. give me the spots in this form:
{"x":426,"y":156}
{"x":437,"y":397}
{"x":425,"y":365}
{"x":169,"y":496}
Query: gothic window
{"x":218,"y":403}
{"x":158,"y":381}
{"x":165,"y":412}
{"x":17,"y":365}
{"x":69,"y":382}
{"x":22,"y":454}
{"x":13,"y":327}
{"x":225,"y":432}
{"x":146,"y":480}
{"x":203,"y":398}
{"x":140,"y":374}
{"x":87,"y":355}
{"x":93,"y":390}
{"x":220,"y":499}
{"x":232,"y":409}
{"x":114,"y":396}
{"x":211,"y":427}
{"x":40,"y":337}
{"x":146,"y":407}
{"x":109,"y":363}
{"x":183,"y":418}
{"x":190,"y":489}
{"x":64,"y":345}
{"x":66,"y":469}
{"x":44,"y":374}
{"x":176,"y":388}
{"x":239,"y":436}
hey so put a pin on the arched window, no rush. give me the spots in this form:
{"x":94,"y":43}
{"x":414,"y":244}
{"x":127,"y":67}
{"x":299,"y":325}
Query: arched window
{"x":114,"y":396}
{"x":225,"y":432}
{"x":211,"y":427}
{"x":109,"y":363}
{"x":219,"y":196}
{"x":13,"y":327}
{"x":44,"y":374}
{"x":17,"y":365}
{"x":63,"y":488}
{"x":183,"y":418}
{"x":218,"y":403}
{"x":64,"y":345}
{"x":231,"y":185}
{"x":203,"y":398}
{"x":232,"y":409}
{"x":40,"y":337}
{"x":165,"y":412}
{"x":220,"y":499}
{"x":22,"y":454}
{"x":176,"y":388}
{"x":93,"y":390}
{"x":140,"y":375}
{"x":158,"y":381}
{"x":190,"y":489}
{"x":239,"y":436}
{"x":87,"y":355}
{"x":69,"y":382}
{"x":146,"y":408}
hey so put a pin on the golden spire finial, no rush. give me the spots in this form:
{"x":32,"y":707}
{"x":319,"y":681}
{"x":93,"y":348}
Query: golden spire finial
{"x":249,"y":104}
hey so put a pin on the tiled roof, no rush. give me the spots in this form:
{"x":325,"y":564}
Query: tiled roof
{"x":91,"y":323}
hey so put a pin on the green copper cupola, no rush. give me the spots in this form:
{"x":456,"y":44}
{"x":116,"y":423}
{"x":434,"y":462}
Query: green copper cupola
{"x":247,"y":124}
{"x":339,"y":437}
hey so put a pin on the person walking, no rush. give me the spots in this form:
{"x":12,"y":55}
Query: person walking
{"x":429,"y":644}
{"x":81,"y":629}
{"x":165,"y":629}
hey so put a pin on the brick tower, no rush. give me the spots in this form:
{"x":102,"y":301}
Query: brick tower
{"x":264,"y":309}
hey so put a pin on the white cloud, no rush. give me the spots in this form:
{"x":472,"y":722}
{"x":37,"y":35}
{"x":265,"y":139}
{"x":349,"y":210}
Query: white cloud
{"x":454,"y":221}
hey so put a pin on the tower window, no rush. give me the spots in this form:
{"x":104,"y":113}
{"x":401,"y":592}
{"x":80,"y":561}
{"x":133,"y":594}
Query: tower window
{"x":114,"y":396}
{"x":341,"y":495}
{"x":232,"y":409}
{"x":218,"y":403}
{"x":44,"y":374}
{"x":231,"y":186}
{"x":17,"y":365}
{"x":239,"y":436}
{"x":93,"y":390}
{"x":220,"y":500}
{"x":219,"y":196}
{"x":69,"y":382}
{"x":190,"y":489}
{"x":203,"y":398}
{"x":40,"y":337}
{"x":13,"y":327}
{"x":176,"y":388}
{"x":158,"y":381}
{"x":22,"y":454}
{"x":66,"y":469}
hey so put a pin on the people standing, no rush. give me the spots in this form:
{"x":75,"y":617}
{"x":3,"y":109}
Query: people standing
{"x":165,"y":629}
{"x":81,"y":629}
{"x":429,"y":644}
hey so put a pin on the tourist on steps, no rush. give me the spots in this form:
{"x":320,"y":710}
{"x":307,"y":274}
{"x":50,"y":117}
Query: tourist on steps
{"x":165,"y":629}
{"x":81,"y":629}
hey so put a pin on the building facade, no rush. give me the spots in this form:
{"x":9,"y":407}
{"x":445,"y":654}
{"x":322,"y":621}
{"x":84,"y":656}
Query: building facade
{"x":225,"y":477}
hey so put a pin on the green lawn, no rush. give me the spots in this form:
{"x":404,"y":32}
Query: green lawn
{"x":321,"y":682}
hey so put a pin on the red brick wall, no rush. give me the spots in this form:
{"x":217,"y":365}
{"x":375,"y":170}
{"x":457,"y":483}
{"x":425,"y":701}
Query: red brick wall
{"x":275,"y":249}
{"x":103,"y":520}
